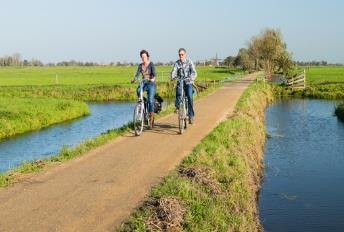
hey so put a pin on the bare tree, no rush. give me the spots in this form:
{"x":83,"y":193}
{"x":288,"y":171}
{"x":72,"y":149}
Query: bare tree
{"x":270,"y":51}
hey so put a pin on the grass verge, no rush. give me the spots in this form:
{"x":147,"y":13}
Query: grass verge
{"x":330,"y":92}
{"x":215,"y":187}
{"x":19,"y":115}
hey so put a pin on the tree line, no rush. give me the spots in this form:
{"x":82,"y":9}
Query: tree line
{"x":15,"y":60}
{"x":317,"y":63}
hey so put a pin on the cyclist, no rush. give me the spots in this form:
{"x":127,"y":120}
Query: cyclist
{"x":147,"y":70}
{"x":184,"y":67}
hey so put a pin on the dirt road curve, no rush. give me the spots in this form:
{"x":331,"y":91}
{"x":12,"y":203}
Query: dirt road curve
{"x":99,"y":190}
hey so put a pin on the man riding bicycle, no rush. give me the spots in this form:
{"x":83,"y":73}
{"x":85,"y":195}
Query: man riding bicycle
{"x":184,"y":68}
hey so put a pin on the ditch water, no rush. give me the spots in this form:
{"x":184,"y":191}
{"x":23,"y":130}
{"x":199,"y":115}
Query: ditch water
{"x":49,"y":141}
{"x":303,"y":186}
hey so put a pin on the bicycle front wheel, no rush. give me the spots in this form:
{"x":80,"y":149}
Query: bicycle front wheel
{"x":138,"y":119}
{"x":181,"y":118}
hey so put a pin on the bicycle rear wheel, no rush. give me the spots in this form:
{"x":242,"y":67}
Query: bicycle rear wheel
{"x":138,"y":119}
{"x":195,"y":91}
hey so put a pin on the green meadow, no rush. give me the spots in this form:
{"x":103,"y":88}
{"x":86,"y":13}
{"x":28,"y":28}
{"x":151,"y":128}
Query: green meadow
{"x":23,"y":76}
{"x":325,"y":75}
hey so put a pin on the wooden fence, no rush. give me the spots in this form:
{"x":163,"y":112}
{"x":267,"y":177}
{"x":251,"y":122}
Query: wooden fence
{"x":298,"y":82}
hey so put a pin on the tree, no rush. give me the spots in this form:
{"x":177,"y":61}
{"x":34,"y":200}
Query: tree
{"x":285,"y":62}
{"x":270,"y":51}
{"x":243,"y":60}
{"x":229,"y":61}
{"x":253,"y":51}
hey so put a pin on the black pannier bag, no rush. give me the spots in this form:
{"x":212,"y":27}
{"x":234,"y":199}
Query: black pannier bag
{"x":157,"y":103}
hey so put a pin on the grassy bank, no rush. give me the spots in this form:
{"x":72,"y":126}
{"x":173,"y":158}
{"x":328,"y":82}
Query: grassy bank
{"x":329,"y":92}
{"x":122,"y":92}
{"x":19,"y":115}
{"x":215,"y":187}
{"x":31,"y":167}
{"x":340,"y":111}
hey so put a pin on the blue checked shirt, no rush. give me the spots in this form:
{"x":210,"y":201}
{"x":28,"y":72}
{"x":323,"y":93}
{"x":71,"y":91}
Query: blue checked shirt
{"x":189,"y":70}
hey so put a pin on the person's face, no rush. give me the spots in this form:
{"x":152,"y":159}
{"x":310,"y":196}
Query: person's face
{"x":182,"y":55}
{"x":144,"y":58}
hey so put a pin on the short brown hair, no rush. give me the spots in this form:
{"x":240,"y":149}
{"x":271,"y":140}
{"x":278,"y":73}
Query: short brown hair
{"x":144,"y":52}
{"x":181,"y":49}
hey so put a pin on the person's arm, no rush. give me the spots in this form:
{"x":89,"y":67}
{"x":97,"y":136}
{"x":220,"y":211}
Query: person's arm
{"x":137,"y":75}
{"x":193,"y":72}
{"x":174,"y":71}
{"x":153,"y":73}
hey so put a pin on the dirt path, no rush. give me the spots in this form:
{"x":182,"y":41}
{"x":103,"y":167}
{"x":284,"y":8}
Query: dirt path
{"x":99,"y":190}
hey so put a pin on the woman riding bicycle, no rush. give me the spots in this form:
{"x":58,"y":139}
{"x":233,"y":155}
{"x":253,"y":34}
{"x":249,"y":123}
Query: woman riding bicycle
{"x":185,"y":67}
{"x":147,"y":70}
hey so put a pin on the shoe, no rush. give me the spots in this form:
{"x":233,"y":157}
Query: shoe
{"x":191,"y":120}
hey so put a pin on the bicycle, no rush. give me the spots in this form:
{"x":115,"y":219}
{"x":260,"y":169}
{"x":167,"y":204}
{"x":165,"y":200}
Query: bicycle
{"x":183,"y":107}
{"x":141,"y":114}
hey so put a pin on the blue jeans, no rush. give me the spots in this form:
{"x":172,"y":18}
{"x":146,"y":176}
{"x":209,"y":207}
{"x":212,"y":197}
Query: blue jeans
{"x":188,"y":92}
{"x":150,"y":87}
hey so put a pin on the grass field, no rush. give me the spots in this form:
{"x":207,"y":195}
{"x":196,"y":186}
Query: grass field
{"x":325,"y":75}
{"x":19,"y":115}
{"x":19,"y":76}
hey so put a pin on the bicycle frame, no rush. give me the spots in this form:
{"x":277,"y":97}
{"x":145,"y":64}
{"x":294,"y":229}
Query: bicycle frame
{"x":141,"y":112}
{"x":183,"y":107}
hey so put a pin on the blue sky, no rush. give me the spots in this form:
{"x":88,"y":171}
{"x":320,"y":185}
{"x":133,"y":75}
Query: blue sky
{"x":111,"y":30}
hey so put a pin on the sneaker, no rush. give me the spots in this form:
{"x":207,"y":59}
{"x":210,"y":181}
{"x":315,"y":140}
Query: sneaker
{"x":191,"y":120}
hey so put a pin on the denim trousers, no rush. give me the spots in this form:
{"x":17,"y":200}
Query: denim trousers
{"x":188,"y":92}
